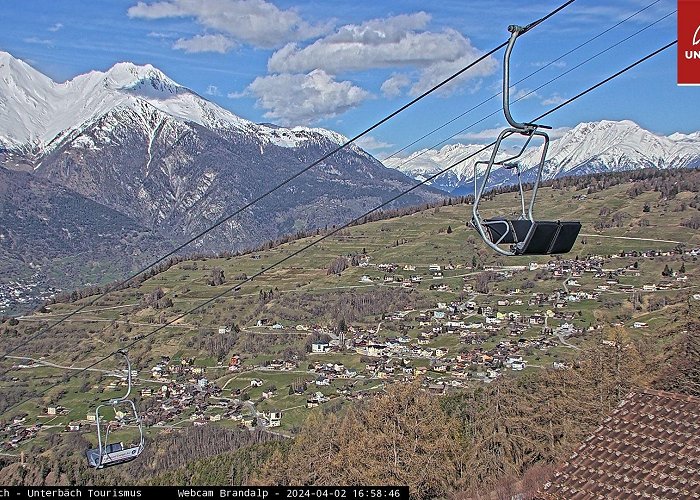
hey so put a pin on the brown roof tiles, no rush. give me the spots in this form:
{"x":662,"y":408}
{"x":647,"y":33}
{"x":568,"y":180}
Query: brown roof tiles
{"x":648,"y":447}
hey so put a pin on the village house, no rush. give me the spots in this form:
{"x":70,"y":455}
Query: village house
{"x":320,"y":347}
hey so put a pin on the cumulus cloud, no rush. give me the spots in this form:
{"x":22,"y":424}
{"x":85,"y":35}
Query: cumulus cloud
{"x":441,"y":70}
{"x":205,"y":43}
{"x":255,"y":22}
{"x":393,"y":87}
{"x":305,"y":98}
{"x":398,"y":41}
{"x":56,"y":27}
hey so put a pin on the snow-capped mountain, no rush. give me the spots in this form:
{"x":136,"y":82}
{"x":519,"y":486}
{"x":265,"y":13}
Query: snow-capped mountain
{"x":37,"y":113}
{"x":603,"y":146}
{"x":171,"y":162}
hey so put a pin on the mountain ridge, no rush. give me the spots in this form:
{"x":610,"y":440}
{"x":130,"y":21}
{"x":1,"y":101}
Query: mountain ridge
{"x":134,"y":141}
{"x":589,"y":147}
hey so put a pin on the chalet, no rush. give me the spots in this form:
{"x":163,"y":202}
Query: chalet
{"x":320,"y":347}
{"x":375,"y":350}
{"x":536,"y":319}
{"x":437,"y":388}
{"x":273,"y":417}
{"x":517,"y":365}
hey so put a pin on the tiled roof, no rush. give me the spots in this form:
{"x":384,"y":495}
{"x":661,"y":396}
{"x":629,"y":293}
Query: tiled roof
{"x":649,"y":447}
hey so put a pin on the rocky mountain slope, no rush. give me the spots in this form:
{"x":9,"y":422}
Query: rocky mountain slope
{"x":134,"y":141}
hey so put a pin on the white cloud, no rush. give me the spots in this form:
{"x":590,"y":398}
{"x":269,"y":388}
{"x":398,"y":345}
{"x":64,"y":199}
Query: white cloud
{"x":393,"y":87}
{"x":542,"y":64}
{"x":256,"y":22}
{"x":370,"y":143}
{"x":38,"y":41}
{"x":238,"y":95}
{"x":488,"y":134}
{"x":553,"y":100}
{"x":55,"y":27}
{"x":305,"y":98}
{"x":212,"y":90}
{"x":436,"y":73}
{"x":521,"y":94}
{"x":205,"y":43}
{"x":156,"y":34}
{"x":399,"y":41}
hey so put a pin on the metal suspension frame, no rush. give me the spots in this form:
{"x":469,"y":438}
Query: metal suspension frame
{"x":528,"y":130}
{"x":123,"y":400}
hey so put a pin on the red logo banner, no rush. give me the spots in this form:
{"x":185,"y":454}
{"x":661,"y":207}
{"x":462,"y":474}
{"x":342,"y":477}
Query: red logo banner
{"x":688,"y":42}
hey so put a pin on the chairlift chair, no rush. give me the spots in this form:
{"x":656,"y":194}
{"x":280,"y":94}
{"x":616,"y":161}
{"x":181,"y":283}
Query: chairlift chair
{"x":525,"y":235}
{"x":109,"y":454}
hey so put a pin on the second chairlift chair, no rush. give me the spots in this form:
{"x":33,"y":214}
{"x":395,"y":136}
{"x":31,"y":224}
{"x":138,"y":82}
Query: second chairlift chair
{"x":525,"y":235}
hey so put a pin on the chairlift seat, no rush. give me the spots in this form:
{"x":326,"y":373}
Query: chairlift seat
{"x":548,"y":237}
{"x":113,"y":454}
{"x":504,"y":231}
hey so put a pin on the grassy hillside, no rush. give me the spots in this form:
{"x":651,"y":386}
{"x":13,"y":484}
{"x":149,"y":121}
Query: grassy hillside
{"x":278,"y":315}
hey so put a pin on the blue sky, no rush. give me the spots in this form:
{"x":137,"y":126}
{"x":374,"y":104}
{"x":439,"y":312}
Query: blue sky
{"x":344,"y":65}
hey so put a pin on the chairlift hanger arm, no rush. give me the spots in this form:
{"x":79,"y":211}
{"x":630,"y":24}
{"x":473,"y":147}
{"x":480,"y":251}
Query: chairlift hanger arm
{"x":526,"y":127}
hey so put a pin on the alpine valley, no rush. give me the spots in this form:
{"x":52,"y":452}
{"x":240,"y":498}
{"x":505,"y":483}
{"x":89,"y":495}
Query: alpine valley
{"x":104,"y":172}
{"x":109,"y":169}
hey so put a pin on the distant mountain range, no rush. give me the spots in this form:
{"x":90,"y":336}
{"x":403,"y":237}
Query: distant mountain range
{"x":604,"y":146}
{"x":166,"y":163}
